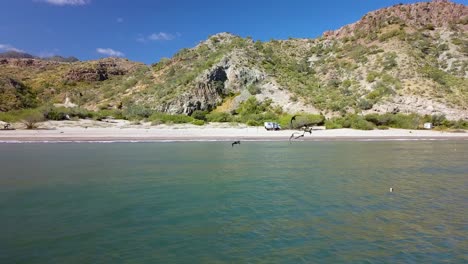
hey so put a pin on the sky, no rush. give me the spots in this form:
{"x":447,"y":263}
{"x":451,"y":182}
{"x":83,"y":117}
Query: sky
{"x":148,"y":30}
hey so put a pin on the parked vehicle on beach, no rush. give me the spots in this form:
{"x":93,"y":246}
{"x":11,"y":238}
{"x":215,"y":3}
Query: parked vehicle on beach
{"x":272,"y":126}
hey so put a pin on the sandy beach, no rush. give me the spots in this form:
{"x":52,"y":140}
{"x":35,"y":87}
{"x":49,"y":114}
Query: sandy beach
{"x":121,"y":130}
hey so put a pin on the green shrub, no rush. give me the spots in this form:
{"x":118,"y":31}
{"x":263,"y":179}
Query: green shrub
{"x":460,"y":124}
{"x":405,"y":121}
{"x":371,"y":76}
{"x":105,"y":113}
{"x":253,"y":123}
{"x":219,"y":117}
{"x":137,"y":112}
{"x":389,"y":61}
{"x":411,"y":121}
{"x":198,"y":122}
{"x":56,"y":113}
{"x":163,"y":118}
{"x":362,"y":124}
{"x":309,"y":120}
{"x":200,"y":115}
{"x":31,"y":117}
{"x":329,"y":124}
{"x":365,"y":104}
{"x":10,"y":117}
{"x":253,"y":89}
{"x":438,"y":120}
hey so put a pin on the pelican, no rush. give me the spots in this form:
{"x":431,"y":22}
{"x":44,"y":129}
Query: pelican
{"x":293,"y":135}
{"x":292,"y":119}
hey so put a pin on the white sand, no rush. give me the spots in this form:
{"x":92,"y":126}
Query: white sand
{"x":119,"y":130}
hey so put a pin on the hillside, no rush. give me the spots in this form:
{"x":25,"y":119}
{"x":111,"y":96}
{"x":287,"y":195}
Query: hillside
{"x":405,"y":58}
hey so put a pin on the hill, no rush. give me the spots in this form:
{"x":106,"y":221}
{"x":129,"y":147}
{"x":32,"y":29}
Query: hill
{"x":401,"y":59}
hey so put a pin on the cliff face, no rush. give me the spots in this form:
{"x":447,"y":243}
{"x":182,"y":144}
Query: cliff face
{"x":428,"y":15}
{"x":405,"y":58}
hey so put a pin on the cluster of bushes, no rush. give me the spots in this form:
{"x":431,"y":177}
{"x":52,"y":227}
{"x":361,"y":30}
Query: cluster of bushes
{"x":250,"y":112}
{"x":384,"y":121}
{"x":63,"y":113}
{"x":349,"y":121}
{"x":163,"y":118}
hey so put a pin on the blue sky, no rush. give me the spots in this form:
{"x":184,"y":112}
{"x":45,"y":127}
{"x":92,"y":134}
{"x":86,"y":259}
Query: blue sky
{"x":147,"y":30}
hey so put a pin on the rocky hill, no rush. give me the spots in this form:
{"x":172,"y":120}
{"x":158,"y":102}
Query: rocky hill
{"x":23,"y":55}
{"x":405,"y":58}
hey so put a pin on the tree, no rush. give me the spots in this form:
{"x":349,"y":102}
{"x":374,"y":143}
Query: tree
{"x":31,"y":118}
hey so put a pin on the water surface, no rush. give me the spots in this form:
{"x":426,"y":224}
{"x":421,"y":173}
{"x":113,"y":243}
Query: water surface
{"x":260,"y":202}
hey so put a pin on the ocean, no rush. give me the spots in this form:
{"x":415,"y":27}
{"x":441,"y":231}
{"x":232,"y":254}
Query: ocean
{"x":257,"y":202}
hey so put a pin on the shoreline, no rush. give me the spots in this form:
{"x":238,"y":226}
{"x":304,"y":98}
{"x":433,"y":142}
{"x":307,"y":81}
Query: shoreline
{"x":119,"y":131}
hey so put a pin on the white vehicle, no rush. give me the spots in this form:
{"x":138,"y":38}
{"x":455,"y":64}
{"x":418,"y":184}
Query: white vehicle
{"x":272,"y":126}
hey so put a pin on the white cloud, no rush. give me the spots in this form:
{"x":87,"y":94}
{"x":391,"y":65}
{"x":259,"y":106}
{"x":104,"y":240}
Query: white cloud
{"x":8,"y":47}
{"x":120,"y":20}
{"x":161,"y":36}
{"x":110,"y":52}
{"x":66,"y":2}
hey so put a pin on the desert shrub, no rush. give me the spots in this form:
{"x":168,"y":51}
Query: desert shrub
{"x":253,"y":89}
{"x":81,"y":113}
{"x":349,"y":121}
{"x":56,"y":113}
{"x":373,"y":118}
{"x":429,"y":26}
{"x":219,"y":117}
{"x":137,"y":112}
{"x":330,"y":124}
{"x":405,"y":121}
{"x":410,"y":121}
{"x":10,"y":117}
{"x":199,"y":115}
{"x":252,"y":106}
{"x":105,"y":113}
{"x":309,"y":120}
{"x":438,"y":120}
{"x":391,"y":34}
{"x":361,"y":123}
{"x":380,"y":90}
{"x":371,"y":76}
{"x":365,"y":104}
{"x":31,"y":117}
{"x":253,"y":123}
{"x":460,"y":124}
{"x":389,"y":61}
{"x":198,"y":122}
{"x":164,"y":118}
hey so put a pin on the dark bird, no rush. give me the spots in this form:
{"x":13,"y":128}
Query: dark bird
{"x":293,"y":135}
{"x":235,"y":143}
{"x":292,"y":119}
{"x":307,"y":130}
{"x":81,"y":95}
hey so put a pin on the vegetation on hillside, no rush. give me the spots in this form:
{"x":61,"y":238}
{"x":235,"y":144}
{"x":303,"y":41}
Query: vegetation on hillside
{"x":398,"y":52}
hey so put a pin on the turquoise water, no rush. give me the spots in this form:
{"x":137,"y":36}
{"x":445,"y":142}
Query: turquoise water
{"x":260,"y":202}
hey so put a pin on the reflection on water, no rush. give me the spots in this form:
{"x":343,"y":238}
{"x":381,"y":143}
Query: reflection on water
{"x":258,"y":202}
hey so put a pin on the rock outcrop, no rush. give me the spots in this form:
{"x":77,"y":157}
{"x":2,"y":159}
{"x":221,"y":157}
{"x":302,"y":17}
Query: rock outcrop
{"x":101,"y":70}
{"x":437,"y":13}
